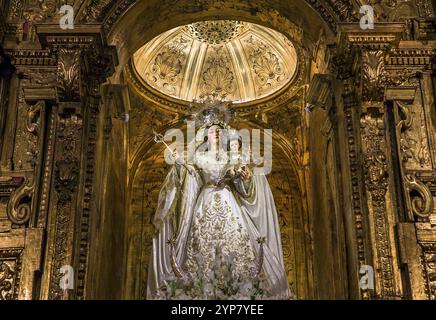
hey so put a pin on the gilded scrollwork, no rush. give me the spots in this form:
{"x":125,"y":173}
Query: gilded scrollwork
{"x":33,"y":114}
{"x":375,"y":156}
{"x":376,"y":76}
{"x":430,"y":259}
{"x":15,"y":9}
{"x":413,"y":141}
{"x":419,"y":199}
{"x":337,"y":10}
{"x":19,"y":208}
{"x":425,"y":8}
{"x":399,"y":77}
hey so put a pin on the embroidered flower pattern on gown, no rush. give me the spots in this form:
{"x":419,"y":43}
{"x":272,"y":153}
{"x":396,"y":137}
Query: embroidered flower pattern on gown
{"x":219,"y":226}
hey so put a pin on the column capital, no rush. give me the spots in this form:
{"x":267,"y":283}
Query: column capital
{"x":84,"y":59}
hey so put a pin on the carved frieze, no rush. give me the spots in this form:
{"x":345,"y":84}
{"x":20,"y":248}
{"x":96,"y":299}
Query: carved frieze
{"x":412,"y":135}
{"x":376,"y":176}
{"x":67,"y":166}
{"x":38,"y":86}
{"x":429,"y":268}
{"x":10,"y":273}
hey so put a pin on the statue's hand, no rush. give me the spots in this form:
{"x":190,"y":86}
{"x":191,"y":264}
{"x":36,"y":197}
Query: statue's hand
{"x":245,"y":173}
{"x":175,"y":156}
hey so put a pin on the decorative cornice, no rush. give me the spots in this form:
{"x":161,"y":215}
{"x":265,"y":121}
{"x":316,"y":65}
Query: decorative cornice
{"x":331,"y":11}
{"x":36,"y":58}
{"x":383,"y":36}
{"x":82,"y":36}
{"x":411,"y":54}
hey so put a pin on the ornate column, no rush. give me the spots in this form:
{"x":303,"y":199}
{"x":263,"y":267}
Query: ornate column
{"x":359,"y":62}
{"x":345,"y":64}
{"x":387,"y":71}
{"x":377,"y":163}
{"x":31,"y":95}
{"x":410,"y":95}
{"x":83,"y":63}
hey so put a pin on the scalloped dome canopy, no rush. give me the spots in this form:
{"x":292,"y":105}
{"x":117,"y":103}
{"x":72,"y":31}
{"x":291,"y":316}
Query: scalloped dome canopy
{"x":223,"y":59}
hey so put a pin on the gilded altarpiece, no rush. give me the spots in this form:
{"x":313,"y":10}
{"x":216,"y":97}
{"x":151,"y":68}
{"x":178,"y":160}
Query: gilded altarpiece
{"x":354,"y":175}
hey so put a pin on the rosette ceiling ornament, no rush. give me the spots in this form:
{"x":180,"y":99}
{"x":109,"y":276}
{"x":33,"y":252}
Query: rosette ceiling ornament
{"x":220,"y":60}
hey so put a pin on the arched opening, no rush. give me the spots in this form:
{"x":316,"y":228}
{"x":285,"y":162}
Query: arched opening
{"x":141,"y":170}
{"x":293,"y":218}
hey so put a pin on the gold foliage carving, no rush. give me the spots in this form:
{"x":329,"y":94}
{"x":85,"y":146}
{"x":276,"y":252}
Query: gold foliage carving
{"x":269,"y":70}
{"x":412,"y":136}
{"x":10,"y":273}
{"x":69,"y":75}
{"x":218,"y":81}
{"x":165,"y":72}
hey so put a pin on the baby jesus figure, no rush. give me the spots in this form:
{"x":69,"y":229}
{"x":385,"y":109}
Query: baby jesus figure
{"x":238,"y":161}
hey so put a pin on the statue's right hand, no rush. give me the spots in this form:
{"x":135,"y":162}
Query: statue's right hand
{"x":175,"y":154}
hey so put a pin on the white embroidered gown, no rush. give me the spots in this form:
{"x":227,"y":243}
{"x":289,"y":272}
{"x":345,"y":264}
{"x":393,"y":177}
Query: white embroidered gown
{"x":203,"y":217}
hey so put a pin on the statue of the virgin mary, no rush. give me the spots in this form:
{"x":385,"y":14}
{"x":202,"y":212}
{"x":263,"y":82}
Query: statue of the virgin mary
{"x":217,"y":233}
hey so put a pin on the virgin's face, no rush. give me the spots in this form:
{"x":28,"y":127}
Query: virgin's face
{"x":214,"y":134}
{"x":234,"y":145}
